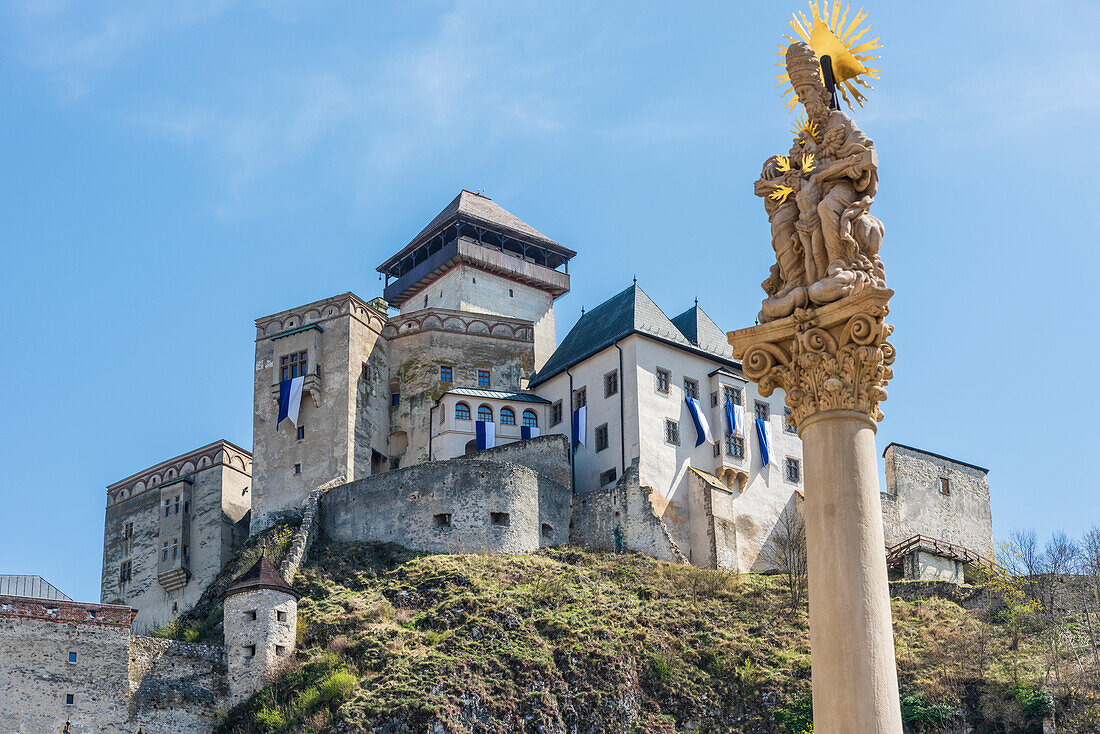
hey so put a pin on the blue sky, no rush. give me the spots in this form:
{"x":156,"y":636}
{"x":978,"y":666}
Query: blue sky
{"x":173,"y":170}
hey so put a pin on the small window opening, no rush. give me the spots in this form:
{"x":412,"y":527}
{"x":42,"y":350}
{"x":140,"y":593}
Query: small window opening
{"x":945,"y":485}
{"x":297,"y":468}
{"x":510,"y":294}
{"x":250,"y":615}
{"x":443,"y":520}
{"x":301,"y":432}
{"x":175,"y":607}
{"x":500,"y":519}
{"x":279,"y":649}
{"x":547,"y":530}
{"x":280,"y":616}
{"x":69,"y":699}
{"x":250,"y":651}
{"x":72,"y":657}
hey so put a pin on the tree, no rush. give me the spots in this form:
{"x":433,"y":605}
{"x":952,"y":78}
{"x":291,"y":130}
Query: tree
{"x":1090,"y":559}
{"x":787,"y":552}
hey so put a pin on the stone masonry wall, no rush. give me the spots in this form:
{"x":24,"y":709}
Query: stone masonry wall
{"x":469,"y":504}
{"x":36,"y":639}
{"x":913,"y":503}
{"x":176,"y":686}
{"x":260,"y":629}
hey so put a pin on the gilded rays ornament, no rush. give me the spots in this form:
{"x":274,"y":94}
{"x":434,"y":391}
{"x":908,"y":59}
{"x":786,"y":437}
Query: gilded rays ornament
{"x":830,"y":34}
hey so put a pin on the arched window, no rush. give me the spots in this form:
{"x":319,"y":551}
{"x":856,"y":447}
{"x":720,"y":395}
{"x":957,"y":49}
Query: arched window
{"x":507,"y":416}
{"x":530,"y":419}
{"x":485,"y":413}
{"x":462,"y":412}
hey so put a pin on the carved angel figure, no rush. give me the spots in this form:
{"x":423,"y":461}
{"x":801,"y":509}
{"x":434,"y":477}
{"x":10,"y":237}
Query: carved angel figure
{"x":826,"y":241}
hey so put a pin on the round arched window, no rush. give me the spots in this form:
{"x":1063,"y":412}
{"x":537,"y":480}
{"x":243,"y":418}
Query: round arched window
{"x":507,"y":416}
{"x":462,"y":412}
{"x":530,"y":419}
{"x":485,"y":413}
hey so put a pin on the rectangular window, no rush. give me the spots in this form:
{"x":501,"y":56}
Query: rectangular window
{"x":945,"y":485}
{"x":731,"y":394}
{"x":664,"y":379}
{"x":175,"y":548}
{"x":446,"y":373}
{"x":580,"y":397}
{"x":167,"y":507}
{"x":280,"y":616}
{"x":124,"y":571}
{"x":555,"y":413}
{"x":69,"y":698}
{"x":395,"y":399}
{"x":763,"y":412}
{"x":164,"y":552}
{"x":72,"y":657}
{"x":672,"y":432}
{"x":788,"y":427}
{"x":186,"y":555}
{"x":794,"y":469}
{"x":301,"y":432}
{"x":610,"y":383}
{"x":735,"y":446}
{"x":714,"y":399}
{"x":691,"y":388}
{"x":500,"y":519}
{"x":608,"y":477}
{"x":483,"y":378}
{"x":129,"y":531}
{"x":250,"y":615}
{"x":186,"y":507}
{"x":280,"y":650}
{"x":443,"y":520}
{"x":293,"y":365}
{"x":177,"y":505}
{"x":250,"y":651}
{"x":601,"y":437}
{"x":297,"y":468}
{"x":717,"y":448}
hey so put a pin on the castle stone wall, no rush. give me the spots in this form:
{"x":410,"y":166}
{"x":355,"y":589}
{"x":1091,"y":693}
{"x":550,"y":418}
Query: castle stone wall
{"x":493,"y":502}
{"x":36,"y":637}
{"x":914,"y":505}
{"x":175,"y":686}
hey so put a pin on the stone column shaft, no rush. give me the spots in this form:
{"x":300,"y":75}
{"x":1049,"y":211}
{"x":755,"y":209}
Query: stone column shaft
{"x":833,"y":362}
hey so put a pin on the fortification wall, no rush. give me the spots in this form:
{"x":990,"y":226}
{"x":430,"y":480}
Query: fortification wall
{"x":494,"y":501}
{"x":914,"y":503}
{"x":38,"y":638}
{"x":176,"y":686}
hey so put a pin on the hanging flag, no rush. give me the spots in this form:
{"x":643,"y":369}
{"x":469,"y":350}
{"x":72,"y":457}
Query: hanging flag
{"x":764,"y":434}
{"x":702,"y":428}
{"x":529,"y":432}
{"x":290,"y":399}
{"x":580,"y":425}
{"x":486,"y":435}
{"x":735,"y":419}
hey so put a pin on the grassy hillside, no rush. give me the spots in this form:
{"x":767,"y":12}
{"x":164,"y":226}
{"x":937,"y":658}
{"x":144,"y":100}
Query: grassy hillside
{"x":574,"y":641}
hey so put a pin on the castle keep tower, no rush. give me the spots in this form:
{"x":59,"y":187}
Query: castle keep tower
{"x":477,"y":257}
{"x":261,"y":622}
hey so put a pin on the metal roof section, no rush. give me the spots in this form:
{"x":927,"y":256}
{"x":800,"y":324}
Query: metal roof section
{"x":477,"y":392}
{"x":34,"y":587}
{"x":473,"y":229}
{"x":628,"y":312}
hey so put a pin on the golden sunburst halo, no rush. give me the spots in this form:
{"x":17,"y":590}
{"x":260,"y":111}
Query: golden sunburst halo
{"x":803,"y":124}
{"x":830,"y":34}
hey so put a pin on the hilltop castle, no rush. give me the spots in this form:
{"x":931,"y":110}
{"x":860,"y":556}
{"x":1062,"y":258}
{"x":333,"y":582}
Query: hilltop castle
{"x":444,"y":416}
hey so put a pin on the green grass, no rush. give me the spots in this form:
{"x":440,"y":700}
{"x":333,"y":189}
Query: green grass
{"x":565,"y":640}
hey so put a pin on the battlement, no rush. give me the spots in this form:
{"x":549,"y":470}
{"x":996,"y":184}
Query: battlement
{"x":344,"y":304}
{"x":461,"y":322}
{"x":64,"y":611}
{"x":220,"y":452}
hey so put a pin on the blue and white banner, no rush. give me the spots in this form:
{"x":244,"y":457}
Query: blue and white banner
{"x":580,"y":425}
{"x":735,"y":419}
{"x":486,"y":435}
{"x":290,"y":399}
{"x":702,"y":428}
{"x":526,"y":432}
{"x":764,"y":434}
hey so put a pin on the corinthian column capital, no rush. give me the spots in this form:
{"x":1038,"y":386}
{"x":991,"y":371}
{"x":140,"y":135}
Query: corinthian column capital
{"x":834,"y":357}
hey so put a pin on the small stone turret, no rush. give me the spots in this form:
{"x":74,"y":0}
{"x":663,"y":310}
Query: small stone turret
{"x":260,"y":622}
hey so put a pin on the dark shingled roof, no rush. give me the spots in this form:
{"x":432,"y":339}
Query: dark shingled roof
{"x":481,"y":209}
{"x":625,"y":313}
{"x":262,"y":575}
{"x":700,"y":330}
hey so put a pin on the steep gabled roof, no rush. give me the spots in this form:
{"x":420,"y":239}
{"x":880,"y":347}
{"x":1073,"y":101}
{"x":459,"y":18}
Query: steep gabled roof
{"x":262,"y":575}
{"x":628,"y":312}
{"x":700,"y":330}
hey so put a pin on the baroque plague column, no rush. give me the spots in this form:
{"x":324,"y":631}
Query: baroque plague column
{"x":822,"y":339}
